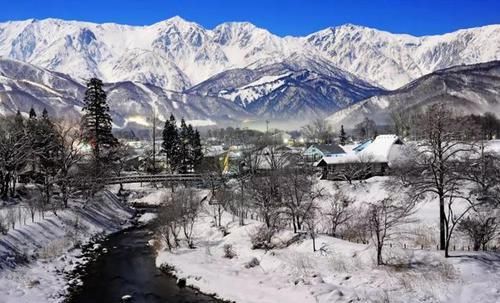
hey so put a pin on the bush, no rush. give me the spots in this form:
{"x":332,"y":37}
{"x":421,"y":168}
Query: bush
{"x":229,"y":253}
{"x":252,"y":263}
{"x":224,"y":231}
{"x":262,"y":237}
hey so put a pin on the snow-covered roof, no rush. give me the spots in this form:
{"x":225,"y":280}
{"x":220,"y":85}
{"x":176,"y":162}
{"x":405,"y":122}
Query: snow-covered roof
{"x":213,"y":150}
{"x":380,"y":148}
{"x":326,"y":149}
{"x":376,"y":151}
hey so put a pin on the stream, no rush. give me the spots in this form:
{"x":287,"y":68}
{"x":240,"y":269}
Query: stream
{"x":128,"y":269}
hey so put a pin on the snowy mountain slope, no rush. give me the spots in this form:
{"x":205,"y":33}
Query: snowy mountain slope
{"x":176,"y":54}
{"x":469,"y":89}
{"x":298,"y":87}
{"x":392,"y":60}
{"x":24,"y":85}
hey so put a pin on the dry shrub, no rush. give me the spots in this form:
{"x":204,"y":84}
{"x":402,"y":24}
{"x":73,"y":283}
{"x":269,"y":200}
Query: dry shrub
{"x":424,"y":236}
{"x":55,"y":248}
{"x":229,"y":252}
{"x":252,"y":263}
{"x":302,"y":264}
{"x":261,"y":237}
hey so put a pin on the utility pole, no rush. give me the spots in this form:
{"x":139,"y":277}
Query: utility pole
{"x":154,"y":140}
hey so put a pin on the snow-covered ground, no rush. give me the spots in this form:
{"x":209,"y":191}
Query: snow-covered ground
{"x":48,"y":246}
{"x":340,"y":271}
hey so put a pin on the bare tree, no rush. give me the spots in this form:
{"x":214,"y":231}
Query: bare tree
{"x":339,"y":211}
{"x":14,"y":151}
{"x":383,"y":218}
{"x":366,"y":129}
{"x":179,"y":213}
{"x":11,"y":217}
{"x":32,"y":205}
{"x":311,"y":221}
{"x":220,"y":202}
{"x":69,"y":155}
{"x":190,"y":208}
{"x":318,"y":131}
{"x":432,"y":165}
{"x":299,"y":193}
{"x":121,"y":153}
{"x":168,"y":222}
{"x":481,"y":228}
{"x":265,"y":192}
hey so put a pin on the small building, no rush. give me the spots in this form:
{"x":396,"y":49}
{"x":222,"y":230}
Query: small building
{"x":370,"y":158}
{"x":316,"y":152}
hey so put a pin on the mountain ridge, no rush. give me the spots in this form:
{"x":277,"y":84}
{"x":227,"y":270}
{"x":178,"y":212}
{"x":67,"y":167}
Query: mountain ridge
{"x":471,"y":89}
{"x":85,"y":49}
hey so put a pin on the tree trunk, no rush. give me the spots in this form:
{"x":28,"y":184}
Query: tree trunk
{"x":299,"y":224}
{"x":380,"y":261}
{"x":13,"y":190}
{"x":442,"y":224}
{"x":314,"y":242}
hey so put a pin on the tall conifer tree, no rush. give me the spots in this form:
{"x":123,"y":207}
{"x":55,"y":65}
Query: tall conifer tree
{"x":97,"y":122}
{"x":171,"y":143}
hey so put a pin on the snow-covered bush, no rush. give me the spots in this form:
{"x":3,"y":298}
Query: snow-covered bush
{"x":356,"y":228}
{"x":480,"y":229}
{"x":252,"y":263}
{"x":224,"y":230}
{"x":229,"y":252}
{"x":261,"y":238}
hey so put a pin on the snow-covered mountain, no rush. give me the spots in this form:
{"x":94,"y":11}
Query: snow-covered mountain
{"x":298,"y":87}
{"x":23,"y":86}
{"x":469,"y":89}
{"x":176,"y":54}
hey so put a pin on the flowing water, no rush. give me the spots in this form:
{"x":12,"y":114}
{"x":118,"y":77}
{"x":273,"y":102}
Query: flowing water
{"x":128,"y":268}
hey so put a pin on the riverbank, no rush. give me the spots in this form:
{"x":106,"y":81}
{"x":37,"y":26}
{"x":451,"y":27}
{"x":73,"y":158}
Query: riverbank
{"x":36,"y":258}
{"x":128,"y":267}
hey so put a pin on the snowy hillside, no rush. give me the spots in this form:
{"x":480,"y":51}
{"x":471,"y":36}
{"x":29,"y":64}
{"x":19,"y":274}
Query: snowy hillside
{"x":340,"y":270}
{"x":470,"y":89}
{"x":176,"y":53}
{"x":23,"y":86}
{"x":296,"y":87}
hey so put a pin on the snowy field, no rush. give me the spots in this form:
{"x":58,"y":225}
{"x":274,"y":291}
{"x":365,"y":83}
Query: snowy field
{"x":340,"y":271}
{"x":48,"y":246}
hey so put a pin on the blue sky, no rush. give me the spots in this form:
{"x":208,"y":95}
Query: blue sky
{"x":292,"y":17}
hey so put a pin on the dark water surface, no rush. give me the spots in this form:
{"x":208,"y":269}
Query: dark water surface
{"x":128,"y":268}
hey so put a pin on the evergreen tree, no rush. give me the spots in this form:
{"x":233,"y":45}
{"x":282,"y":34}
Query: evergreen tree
{"x":197,"y":149}
{"x":32,"y":132}
{"x":19,"y":125}
{"x":97,"y":122}
{"x":32,"y":113}
{"x":343,"y":137}
{"x":171,"y":143}
{"x":45,"y":114}
{"x":184,"y":148}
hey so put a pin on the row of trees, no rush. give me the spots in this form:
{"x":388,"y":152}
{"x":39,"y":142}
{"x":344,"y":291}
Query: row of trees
{"x":452,"y":163}
{"x":181,"y":145}
{"x":44,"y":150}
{"x":48,"y":151}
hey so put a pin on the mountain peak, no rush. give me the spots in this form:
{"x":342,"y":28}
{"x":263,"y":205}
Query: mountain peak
{"x":176,"y":19}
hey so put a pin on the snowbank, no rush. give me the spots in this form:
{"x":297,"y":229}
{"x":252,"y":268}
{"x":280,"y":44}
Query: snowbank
{"x":46,"y":245}
{"x":339,"y":271}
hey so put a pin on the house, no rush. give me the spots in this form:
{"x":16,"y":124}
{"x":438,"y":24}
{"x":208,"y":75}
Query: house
{"x":316,"y":152}
{"x":370,"y":158}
